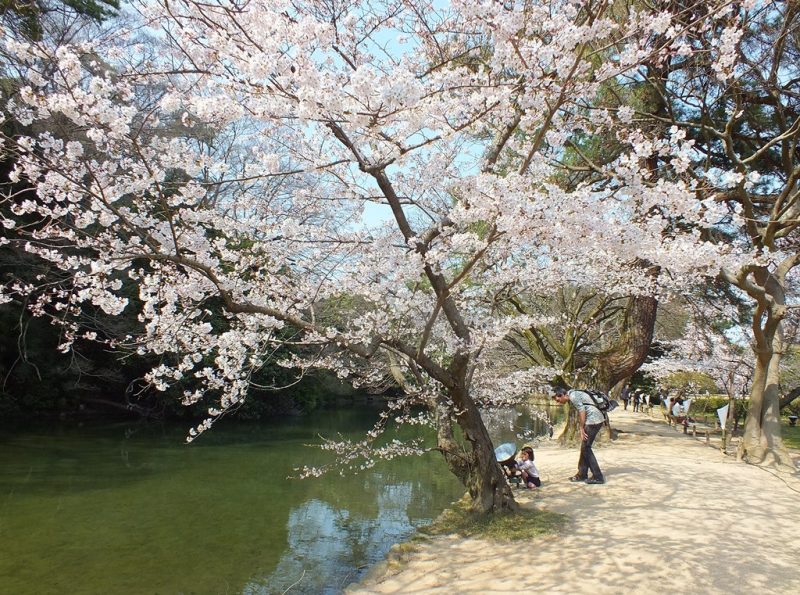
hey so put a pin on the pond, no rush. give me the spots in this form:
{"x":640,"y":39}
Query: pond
{"x":132,"y":509}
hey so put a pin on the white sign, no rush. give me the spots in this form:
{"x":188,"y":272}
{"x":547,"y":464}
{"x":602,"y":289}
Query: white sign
{"x":722,"y":412}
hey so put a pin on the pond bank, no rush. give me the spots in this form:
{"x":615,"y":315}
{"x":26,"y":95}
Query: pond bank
{"x":674,"y":516}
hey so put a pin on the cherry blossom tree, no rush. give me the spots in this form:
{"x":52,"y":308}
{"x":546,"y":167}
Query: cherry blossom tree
{"x":448,"y":120}
{"x":707,"y":351}
{"x":731,"y":91}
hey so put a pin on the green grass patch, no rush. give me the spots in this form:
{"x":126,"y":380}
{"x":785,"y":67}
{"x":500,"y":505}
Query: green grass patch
{"x":791,"y":436}
{"x":511,"y":526}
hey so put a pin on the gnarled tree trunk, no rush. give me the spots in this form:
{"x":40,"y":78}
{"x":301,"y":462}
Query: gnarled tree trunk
{"x":762,"y":443}
{"x":474,"y":463}
{"x":623,"y":359}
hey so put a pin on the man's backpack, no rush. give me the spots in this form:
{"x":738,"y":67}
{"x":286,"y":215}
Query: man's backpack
{"x":601,"y":400}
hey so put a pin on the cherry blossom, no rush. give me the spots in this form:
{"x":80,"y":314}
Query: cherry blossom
{"x":227,"y":173}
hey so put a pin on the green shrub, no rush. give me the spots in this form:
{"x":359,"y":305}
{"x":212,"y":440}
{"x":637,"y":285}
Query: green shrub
{"x":690,"y":382}
{"x":709,"y":405}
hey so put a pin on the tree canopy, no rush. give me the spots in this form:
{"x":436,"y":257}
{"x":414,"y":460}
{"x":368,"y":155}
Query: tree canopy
{"x":455,"y":121}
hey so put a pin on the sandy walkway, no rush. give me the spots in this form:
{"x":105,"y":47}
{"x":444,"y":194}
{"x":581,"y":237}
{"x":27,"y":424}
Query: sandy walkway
{"x":675,"y":516}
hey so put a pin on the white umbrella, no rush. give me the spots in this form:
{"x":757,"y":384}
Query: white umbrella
{"x":505,"y":451}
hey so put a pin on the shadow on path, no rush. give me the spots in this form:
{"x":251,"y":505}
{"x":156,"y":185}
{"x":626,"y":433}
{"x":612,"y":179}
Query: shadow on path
{"x":675,"y":516}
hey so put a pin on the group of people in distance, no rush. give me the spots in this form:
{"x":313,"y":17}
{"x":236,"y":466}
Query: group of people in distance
{"x":639,"y":399}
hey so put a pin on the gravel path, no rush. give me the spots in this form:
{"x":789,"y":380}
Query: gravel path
{"x":675,"y":516}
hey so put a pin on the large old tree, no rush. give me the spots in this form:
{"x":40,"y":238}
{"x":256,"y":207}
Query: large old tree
{"x":732,"y":92}
{"x":588,"y":336}
{"x":400,"y":155}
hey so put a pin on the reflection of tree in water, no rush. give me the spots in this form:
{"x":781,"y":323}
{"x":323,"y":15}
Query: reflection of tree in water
{"x":501,"y":424}
{"x":325,"y":543}
{"x":523,"y":424}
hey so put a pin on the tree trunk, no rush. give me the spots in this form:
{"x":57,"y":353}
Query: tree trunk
{"x":761,"y":443}
{"x":475,"y":464}
{"x":569,"y":435}
{"x":622,"y":360}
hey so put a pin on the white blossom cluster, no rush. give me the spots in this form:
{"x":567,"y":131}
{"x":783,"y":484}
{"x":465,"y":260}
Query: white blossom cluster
{"x":702,"y":349}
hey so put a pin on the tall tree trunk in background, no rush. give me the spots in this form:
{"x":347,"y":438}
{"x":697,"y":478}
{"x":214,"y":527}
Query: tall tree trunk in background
{"x":762,"y":443}
{"x":624,"y":358}
{"x":569,"y":436}
{"x":621,"y":360}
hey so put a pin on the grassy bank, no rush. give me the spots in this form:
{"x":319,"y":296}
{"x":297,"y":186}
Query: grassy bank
{"x":518,"y":526}
{"x":791,"y":436}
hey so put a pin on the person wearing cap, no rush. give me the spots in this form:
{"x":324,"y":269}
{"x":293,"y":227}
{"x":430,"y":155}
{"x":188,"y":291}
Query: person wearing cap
{"x":590,"y":420}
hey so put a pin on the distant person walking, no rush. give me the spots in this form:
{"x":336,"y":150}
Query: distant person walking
{"x":625,"y":396}
{"x":590,"y":420}
{"x":637,"y":396}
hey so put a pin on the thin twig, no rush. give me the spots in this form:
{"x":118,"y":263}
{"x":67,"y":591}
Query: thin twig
{"x":294,"y":583}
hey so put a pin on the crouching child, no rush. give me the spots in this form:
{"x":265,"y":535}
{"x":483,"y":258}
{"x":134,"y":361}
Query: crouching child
{"x":526,"y":466}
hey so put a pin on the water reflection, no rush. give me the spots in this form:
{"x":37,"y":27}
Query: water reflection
{"x":107,"y":511}
{"x":324,"y":541}
{"x":523,"y":425}
{"x":111,"y":510}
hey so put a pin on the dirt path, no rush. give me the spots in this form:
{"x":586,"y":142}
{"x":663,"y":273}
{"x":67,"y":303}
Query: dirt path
{"x":675,"y":516}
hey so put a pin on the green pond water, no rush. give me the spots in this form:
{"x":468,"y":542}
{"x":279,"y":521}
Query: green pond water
{"x":132,"y":509}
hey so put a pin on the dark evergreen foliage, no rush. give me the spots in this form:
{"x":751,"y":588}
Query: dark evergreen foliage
{"x":25,"y":16}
